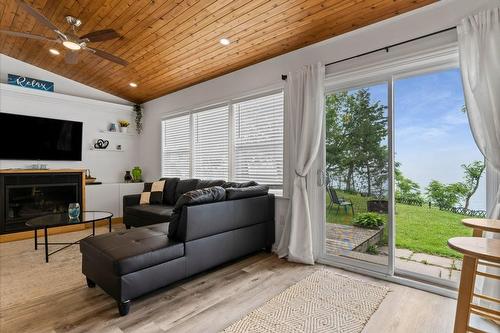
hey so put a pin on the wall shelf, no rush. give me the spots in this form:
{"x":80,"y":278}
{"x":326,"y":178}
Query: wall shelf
{"x":117,"y":133}
{"x":108,"y":149}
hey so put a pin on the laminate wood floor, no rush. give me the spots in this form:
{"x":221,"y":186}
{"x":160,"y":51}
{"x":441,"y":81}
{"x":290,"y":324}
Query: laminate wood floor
{"x":209,"y":302}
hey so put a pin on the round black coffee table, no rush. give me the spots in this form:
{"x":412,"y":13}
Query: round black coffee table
{"x":59,"y":220}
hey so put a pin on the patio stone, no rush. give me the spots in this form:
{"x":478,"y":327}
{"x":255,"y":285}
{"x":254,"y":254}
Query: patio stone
{"x":458,"y":264}
{"x":384,"y":250}
{"x":403,"y":253}
{"x":455,"y":275}
{"x":433,"y":260}
{"x":341,"y":238}
{"x":424,"y":269}
{"x":418,"y":267}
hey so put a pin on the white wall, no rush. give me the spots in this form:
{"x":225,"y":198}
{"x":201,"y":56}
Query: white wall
{"x":95,"y":111}
{"x":62,"y":85}
{"x":267,"y":74}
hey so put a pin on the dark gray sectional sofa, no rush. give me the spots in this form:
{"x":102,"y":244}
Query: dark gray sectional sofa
{"x":207,"y":226}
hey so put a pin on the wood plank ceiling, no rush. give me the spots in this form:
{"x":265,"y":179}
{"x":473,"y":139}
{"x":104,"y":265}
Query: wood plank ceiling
{"x":171,"y":45}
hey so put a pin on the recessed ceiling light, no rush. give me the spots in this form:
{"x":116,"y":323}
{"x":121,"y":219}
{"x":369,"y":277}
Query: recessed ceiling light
{"x":54,"y":52}
{"x":133,"y":84}
{"x":224,"y":41}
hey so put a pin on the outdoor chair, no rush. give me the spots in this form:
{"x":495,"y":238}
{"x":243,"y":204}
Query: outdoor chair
{"x":340,"y":202}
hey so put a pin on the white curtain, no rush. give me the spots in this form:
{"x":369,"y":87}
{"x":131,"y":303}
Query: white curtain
{"x":479,"y":48}
{"x":304,"y":100}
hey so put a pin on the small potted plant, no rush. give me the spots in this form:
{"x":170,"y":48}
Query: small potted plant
{"x":123,"y":125}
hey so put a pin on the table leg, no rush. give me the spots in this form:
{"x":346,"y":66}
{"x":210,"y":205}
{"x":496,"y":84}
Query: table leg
{"x":93,"y":228}
{"x":36,"y":240}
{"x":465,"y":291}
{"x":46,"y":244}
{"x":109,"y":219}
{"x":477,"y":233}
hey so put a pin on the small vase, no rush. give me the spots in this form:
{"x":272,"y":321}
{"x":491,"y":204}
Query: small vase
{"x":74,"y":210}
{"x":137,"y":174}
{"x":123,"y":129}
{"x":127,"y":177}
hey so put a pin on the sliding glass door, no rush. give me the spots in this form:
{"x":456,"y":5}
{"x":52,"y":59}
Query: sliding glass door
{"x":357,"y":175}
{"x":402,"y":170}
{"x":439,"y":174}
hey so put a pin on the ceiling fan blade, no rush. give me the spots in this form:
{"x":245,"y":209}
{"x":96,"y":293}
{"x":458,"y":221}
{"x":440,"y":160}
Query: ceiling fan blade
{"x":107,"y":56}
{"x":101,"y":35}
{"x":26,"y":35}
{"x":71,"y":57}
{"x":39,"y":17}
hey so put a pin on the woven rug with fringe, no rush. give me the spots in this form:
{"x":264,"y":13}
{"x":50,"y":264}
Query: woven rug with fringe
{"x":322,"y":302}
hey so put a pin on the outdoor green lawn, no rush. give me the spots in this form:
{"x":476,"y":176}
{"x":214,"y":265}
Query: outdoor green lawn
{"x":418,"y":229}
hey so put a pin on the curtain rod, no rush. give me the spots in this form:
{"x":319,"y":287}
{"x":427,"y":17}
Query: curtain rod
{"x":385,"y":48}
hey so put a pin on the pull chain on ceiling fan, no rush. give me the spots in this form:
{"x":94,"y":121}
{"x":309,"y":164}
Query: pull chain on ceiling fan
{"x":69,"y":39}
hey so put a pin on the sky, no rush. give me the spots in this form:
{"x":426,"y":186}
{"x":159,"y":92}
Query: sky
{"x":432,"y":135}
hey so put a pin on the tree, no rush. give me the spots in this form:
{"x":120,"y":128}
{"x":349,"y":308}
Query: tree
{"x":405,"y":187}
{"x":445,"y":195}
{"x":356,"y":129}
{"x":371,"y":130}
{"x":473,"y":173}
{"x":340,"y":161}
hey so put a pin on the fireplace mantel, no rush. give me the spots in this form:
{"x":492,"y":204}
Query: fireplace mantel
{"x":3,"y":171}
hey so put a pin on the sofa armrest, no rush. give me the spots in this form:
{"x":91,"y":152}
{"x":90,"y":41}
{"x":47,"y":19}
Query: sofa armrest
{"x":131,"y":200}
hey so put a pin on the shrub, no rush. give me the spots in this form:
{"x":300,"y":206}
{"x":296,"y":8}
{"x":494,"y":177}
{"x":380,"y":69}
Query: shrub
{"x":372,"y":249}
{"x":368,"y":220}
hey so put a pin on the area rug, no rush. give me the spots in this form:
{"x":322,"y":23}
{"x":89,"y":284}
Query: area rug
{"x":63,"y":271}
{"x":322,"y":302}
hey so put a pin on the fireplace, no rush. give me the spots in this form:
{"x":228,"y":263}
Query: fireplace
{"x":27,"y":195}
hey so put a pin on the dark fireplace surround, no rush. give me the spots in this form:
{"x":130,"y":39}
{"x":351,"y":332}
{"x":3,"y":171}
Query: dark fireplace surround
{"x":27,"y":195}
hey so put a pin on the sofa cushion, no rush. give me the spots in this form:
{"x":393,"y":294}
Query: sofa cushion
{"x":191,"y":198}
{"x":152,"y":193}
{"x":185,"y":185}
{"x":169,"y":190}
{"x":209,"y":183}
{"x":200,"y":196}
{"x":132,"y":250}
{"x":246,"y":192}
{"x":150,"y":211}
{"x":239,"y":185}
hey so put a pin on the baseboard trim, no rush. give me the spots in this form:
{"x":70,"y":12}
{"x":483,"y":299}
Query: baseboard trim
{"x":56,"y":230}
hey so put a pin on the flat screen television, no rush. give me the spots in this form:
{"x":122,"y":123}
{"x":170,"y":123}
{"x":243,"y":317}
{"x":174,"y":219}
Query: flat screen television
{"x":35,"y":138}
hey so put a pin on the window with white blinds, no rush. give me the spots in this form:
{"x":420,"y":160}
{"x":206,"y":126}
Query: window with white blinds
{"x":238,"y":141}
{"x":176,"y":142}
{"x":211,"y":143}
{"x":258,"y":140}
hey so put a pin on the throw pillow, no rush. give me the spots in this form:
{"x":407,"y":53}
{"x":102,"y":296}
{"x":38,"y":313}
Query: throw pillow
{"x":152,"y":193}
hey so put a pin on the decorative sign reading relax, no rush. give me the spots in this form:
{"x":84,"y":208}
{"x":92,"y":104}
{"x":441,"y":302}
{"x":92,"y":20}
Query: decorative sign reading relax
{"x":29,"y":82}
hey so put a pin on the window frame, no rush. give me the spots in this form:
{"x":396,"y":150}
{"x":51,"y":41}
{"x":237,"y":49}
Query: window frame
{"x":231,"y":131}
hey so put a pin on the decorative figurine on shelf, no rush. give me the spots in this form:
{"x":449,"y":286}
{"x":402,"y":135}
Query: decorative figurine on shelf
{"x":128,"y":177}
{"x":101,"y":144}
{"x":137,"y":174}
{"x":112,"y":127}
{"x":123,"y":125}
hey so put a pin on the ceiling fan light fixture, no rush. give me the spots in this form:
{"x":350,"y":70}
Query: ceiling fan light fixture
{"x":54,"y":52}
{"x":133,"y":84}
{"x":71,"y":45}
{"x":224,"y":41}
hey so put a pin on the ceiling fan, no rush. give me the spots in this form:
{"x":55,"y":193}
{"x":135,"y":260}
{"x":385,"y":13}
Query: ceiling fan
{"x":69,"y":39}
